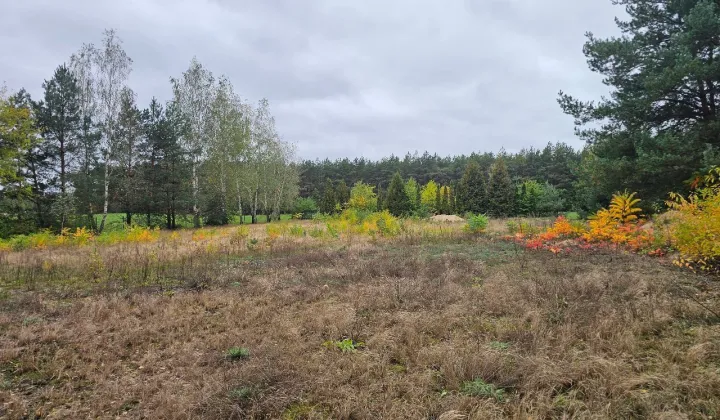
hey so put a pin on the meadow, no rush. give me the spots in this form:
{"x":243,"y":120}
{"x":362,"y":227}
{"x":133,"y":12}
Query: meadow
{"x":116,"y":221}
{"x":329,"y":320}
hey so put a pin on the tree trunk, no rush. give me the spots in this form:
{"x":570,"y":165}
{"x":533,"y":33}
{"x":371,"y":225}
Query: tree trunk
{"x":106,"y":195}
{"x":254,"y":208}
{"x":195,"y":185}
{"x":240,"y":210}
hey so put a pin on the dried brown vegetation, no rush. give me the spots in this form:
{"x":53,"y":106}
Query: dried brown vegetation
{"x":601,"y":335}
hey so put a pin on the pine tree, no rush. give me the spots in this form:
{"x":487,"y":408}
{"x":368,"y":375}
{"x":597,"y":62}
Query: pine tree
{"x":166,"y":173}
{"x":446,"y":209}
{"x":659,"y":124}
{"x":342,"y":193}
{"x":129,"y":133}
{"x":59,"y":121}
{"x":501,"y":191}
{"x":381,"y":197}
{"x":472,"y":190}
{"x":329,"y":201}
{"x":397,"y":200}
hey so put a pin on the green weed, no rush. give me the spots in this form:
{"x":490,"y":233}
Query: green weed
{"x":480,"y":388}
{"x":347,"y":345}
{"x":237,"y":353}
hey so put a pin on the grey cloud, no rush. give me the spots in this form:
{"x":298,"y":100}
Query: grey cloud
{"x":345,"y":78}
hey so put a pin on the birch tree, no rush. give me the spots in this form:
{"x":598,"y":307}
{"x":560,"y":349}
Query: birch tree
{"x":81,"y":65}
{"x":112,"y":67}
{"x":193,"y":95}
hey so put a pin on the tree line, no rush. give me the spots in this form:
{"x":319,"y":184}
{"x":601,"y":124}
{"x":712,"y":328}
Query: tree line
{"x":541,"y":181}
{"x":656,"y":132}
{"x":86,"y":149}
{"x":491,"y":192}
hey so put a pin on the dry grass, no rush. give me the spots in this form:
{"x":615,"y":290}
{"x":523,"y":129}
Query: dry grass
{"x":603,"y":335}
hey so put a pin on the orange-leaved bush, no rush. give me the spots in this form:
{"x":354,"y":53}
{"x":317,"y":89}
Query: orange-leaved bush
{"x":620,"y":224}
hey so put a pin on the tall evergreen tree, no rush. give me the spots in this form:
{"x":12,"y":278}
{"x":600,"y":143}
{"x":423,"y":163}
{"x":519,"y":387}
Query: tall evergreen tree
{"x":166,"y":171}
{"x":128,"y":151}
{"x":501,"y":191}
{"x":446,"y":208}
{"x":342,"y":193}
{"x":329,"y":201}
{"x":472,"y":195}
{"x":60,"y":123}
{"x":397,"y":200}
{"x":660,"y":123}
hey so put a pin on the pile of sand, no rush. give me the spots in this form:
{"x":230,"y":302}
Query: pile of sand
{"x":447,"y":218}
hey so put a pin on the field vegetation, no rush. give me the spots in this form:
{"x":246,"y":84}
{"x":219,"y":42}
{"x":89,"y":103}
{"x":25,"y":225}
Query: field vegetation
{"x":179,"y":261}
{"x":354,"y":317}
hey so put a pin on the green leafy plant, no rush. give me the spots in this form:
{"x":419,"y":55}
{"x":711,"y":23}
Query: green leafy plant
{"x":253,"y":243}
{"x":512,"y":227}
{"x":477,"y":223}
{"x":241,"y":394}
{"x":237,"y":353}
{"x":316,"y":232}
{"x":480,"y":388}
{"x":573,"y":216}
{"x":347,"y":345}
{"x":499,"y":345}
{"x":296,"y":230}
{"x":306,"y":208}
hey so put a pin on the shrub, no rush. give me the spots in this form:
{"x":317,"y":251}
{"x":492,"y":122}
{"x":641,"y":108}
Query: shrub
{"x":512,"y":227}
{"x":695,"y":231}
{"x":242,"y":232}
{"x":550,"y":201}
{"x":296,"y":230}
{"x":236,"y":353}
{"x":19,"y":242}
{"x":306,"y":207}
{"x":477,"y":223}
{"x":573,"y":216}
{"x":316,"y":232}
{"x":41,"y":239}
{"x":623,"y":207}
{"x":82,"y":236}
{"x":141,"y":234}
{"x":386,"y":223}
{"x":275,"y":230}
{"x":363,"y":197}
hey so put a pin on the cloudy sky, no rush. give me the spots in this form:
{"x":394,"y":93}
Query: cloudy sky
{"x":362,"y":78}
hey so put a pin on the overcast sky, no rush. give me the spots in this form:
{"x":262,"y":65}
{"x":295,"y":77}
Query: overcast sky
{"x":344,"y":78}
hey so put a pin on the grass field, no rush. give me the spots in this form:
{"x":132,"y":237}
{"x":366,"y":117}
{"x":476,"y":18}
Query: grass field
{"x":117,"y":220}
{"x":431,"y":324}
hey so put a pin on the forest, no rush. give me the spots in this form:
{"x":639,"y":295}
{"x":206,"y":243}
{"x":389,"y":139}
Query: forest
{"x":86,"y":150}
